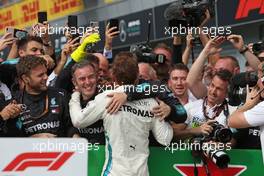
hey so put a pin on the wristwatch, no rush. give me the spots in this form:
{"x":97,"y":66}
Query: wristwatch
{"x":244,"y":49}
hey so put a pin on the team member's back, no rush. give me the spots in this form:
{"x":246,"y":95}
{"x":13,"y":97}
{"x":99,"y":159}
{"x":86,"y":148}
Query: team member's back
{"x":126,"y":131}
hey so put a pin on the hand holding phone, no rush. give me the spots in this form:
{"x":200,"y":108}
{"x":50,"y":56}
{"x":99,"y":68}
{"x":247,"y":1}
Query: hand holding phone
{"x":17,"y":33}
{"x":94,"y":26}
{"x":112,"y":30}
{"x":114,"y":23}
{"x":5,"y":41}
{"x":73,"y":23}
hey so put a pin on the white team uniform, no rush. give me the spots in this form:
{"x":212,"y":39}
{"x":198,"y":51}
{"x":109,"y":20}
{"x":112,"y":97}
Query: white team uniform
{"x":126,"y":132}
{"x":195,"y":116}
{"x":255,"y":117}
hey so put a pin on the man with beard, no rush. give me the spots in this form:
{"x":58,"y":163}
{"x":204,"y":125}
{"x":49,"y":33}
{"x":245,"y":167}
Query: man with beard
{"x":196,"y":85}
{"x":44,"y":110}
{"x":203,"y":112}
{"x":30,"y":45}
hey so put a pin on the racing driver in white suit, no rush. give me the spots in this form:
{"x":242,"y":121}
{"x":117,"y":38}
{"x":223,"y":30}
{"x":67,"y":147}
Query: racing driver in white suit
{"x":126,"y":131}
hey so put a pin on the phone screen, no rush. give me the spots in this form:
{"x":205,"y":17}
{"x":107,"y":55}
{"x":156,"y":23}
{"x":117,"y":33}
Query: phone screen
{"x":114,"y":23}
{"x":42,"y":16}
{"x":20,"y":33}
{"x":72,"y":21}
{"x":94,"y":25}
{"x":17,"y":33}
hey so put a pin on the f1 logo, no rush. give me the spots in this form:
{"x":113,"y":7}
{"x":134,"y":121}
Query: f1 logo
{"x":53,"y":160}
{"x":245,"y":6}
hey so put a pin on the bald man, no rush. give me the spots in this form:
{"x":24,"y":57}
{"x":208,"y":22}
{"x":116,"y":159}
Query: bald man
{"x":103,"y":65}
{"x":147,"y":72}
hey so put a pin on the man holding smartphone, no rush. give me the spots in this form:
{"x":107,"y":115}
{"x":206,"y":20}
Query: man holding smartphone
{"x":112,"y":30}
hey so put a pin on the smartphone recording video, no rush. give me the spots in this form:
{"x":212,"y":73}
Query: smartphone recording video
{"x":17,"y":33}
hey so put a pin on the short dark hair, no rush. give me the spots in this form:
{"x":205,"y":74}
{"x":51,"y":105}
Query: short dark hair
{"x":22,"y":43}
{"x":179,"y":66}
{"x":27,"y":63}
{"x":232,"y":58}
{"x":92,"y":58}
{"x":162,"y":71}
{"x":125,"y":68}
{"x":163,"y":46}
{"x":224,"y":75}
{"x":82,"y":64}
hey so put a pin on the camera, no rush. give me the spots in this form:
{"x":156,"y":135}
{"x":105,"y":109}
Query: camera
{"x":144,"y":54}
{"x":219,"y":134}
{"x":237,"y":90}
{"x":219,"y":157}
{"x":258,"y":48}
{"x":189,"y":13}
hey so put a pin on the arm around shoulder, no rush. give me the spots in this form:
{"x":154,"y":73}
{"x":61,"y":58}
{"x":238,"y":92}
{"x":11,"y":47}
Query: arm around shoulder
{"x":162,"y":131}
{"x":82,"y":118}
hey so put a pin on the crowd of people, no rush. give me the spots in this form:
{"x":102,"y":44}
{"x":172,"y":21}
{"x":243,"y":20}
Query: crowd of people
{"x":126,"y":105}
